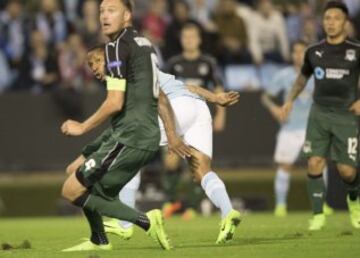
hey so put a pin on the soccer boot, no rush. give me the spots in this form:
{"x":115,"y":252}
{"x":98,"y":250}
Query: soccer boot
{"x":156,"y":230}
{"x":189,"y":214}
{"x":327,"y":209}
{"x":112,"y":226}
{"x":169,"y":209}
{"x":354,"y":210}
{"x":228,"y":226}
{"x":280,"y":210}
{"x":88,"y":246}
{"x":317,"y":222}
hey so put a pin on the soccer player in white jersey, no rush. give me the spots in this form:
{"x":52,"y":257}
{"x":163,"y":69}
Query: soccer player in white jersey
{"x":291,"y":136}
{"x":194,"y":124}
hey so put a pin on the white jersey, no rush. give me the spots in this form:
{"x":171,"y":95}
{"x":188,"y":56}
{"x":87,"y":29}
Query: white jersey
{"x":174,"y":88}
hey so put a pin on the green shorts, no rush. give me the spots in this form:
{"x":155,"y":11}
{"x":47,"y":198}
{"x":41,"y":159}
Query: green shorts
{"x":107,"y":170}
{"x":332,"y":131}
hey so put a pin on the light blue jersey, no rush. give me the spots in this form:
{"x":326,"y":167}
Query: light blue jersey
{"x":174,"y":88}
{"x":283,"y":81}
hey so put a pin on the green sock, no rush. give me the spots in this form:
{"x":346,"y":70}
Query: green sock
{"x":112,"y":209}
{"x":353,"y":188}
{"x":316,"y":191}
{"x":171,"y":182}
{"x":98,"y":235}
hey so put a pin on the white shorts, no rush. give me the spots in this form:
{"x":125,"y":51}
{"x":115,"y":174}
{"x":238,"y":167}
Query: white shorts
{"x":288,"y":146}
{"x":193,"y":123}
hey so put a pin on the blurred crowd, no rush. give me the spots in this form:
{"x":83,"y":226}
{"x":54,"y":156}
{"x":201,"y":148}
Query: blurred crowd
{"x":43,"y":43}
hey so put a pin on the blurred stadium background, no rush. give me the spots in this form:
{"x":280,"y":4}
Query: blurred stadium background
{"x":44,"y":80}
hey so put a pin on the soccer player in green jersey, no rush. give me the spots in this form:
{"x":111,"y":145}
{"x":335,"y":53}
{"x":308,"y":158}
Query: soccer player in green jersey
{"x":132,"y":105}
{"x":333,"y":123}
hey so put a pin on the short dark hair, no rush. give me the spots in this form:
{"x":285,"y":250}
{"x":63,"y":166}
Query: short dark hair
{"x":129,"y":4}
{"x":338,"y":5}
{"x":190,"y":26}
{"x":298,"y":42}
{"x":97,"y":47}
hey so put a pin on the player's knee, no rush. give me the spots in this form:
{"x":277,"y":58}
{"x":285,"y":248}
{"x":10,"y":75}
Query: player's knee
{"x":316,"y":165}
{"x":347,"y":173}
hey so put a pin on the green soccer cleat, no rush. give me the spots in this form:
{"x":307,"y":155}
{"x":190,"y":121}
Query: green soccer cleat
{"x":156,"y":230}
{"x":112,"y":226}
{"x":280,"y":211}
{"x":317,"y":222}
{"x":354,"y":210}
{"x":88,"y":246}
{"x":328,"y":211}
{"x":228,"y":226}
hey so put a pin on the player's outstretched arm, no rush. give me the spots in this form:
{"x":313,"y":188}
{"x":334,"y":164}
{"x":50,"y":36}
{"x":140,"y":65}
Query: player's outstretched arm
{"x":166,"y":113}
{"x":274,"y":109}
{"x":221,"y":98}
{"x":297,"y":88}
{"x":112,"y":104}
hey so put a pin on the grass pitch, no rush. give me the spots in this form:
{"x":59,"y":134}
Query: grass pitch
{"x":259,"y":235}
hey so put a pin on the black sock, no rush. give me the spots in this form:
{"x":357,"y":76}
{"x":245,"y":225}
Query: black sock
{"x":98,"y":235}
{"x":316,"y":191}
{"x":353,"y":188}
{"x":143,"y":222}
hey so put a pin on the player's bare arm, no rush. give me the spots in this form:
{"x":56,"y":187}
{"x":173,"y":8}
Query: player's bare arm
{"x":112,"y":104}
{"x":166,"y":113}
{"x":297,"y":88}
{"x":220,"y":115}
{"x":274,"y":109}
{"x":222,"y":98}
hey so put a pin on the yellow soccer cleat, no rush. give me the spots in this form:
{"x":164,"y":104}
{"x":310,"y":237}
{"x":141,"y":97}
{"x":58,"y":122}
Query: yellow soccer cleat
{"x":112,"y":226}
{"x":354,"y":210}
{"x":156,"y":230}
{"x":317,"y":222}
{"x":328,"y":211}
{"x":280,"y":211}
{"x":228,"y":226}
{"x":88,"y":246}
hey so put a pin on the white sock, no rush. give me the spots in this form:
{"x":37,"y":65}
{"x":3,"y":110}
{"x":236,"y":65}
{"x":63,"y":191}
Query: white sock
{"x":127,"y":196}
{"x":215,"y":190}
{"x":281,"y":186}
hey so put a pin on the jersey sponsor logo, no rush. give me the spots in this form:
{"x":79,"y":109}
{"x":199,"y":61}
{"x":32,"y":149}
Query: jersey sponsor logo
{"x":319,"y":53}
{"x":203,"y":69}
{"x":350,"y":55}
{"x":143,"y":42}
{"x":336,"y":74}
{"x":319,"y":73}
{"x":114,"y":64}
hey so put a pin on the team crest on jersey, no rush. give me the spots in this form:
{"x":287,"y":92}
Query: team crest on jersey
{"x":319,"y":73}
{"x":350,"y":55}
{"x":203,"y":69}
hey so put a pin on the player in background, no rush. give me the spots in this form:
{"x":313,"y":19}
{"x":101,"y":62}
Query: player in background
{"x":195,"y":68}
{"x":132,"y":105}
{"x":332,"y":129}
{"x":194,"y":124}
{"x":291,"y":136}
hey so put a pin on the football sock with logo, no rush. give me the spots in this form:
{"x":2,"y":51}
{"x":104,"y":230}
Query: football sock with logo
{"x":316,"y":191}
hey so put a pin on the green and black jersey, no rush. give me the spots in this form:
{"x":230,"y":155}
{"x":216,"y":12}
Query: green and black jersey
{"x":131,"y":58}
{"x":336,"y":69}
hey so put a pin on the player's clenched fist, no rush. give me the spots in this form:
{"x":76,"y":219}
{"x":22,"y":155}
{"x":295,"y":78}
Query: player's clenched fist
{"x":286,"y":109}
{"x":72,"y":128}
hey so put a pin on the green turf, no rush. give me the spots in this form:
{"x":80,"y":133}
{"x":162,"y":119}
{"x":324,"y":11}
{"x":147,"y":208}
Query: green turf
{"x":259,"y":235}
